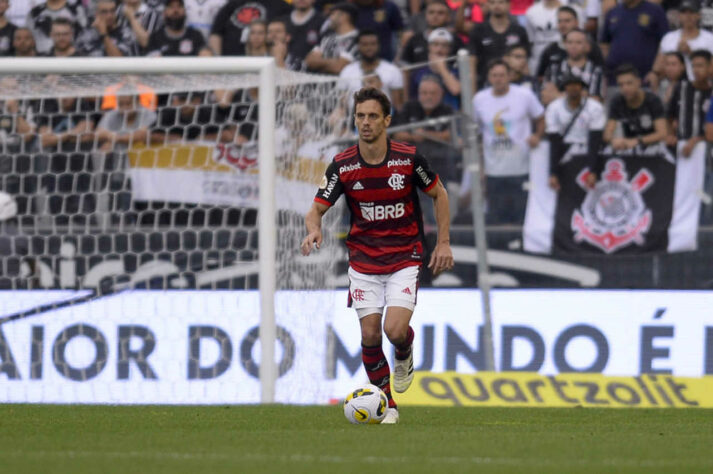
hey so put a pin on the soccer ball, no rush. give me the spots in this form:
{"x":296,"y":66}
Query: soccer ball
{"x":366,"y":405}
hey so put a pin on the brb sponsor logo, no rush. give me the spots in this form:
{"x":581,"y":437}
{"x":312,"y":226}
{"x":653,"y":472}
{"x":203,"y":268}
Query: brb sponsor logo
{"x":614,"y":214}
{"x":370,"y":212}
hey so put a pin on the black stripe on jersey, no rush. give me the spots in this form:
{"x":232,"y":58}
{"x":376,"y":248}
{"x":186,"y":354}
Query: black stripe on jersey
{"x":384,"y":242}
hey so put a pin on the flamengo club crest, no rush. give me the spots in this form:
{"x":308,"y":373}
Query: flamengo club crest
{"x":613,"y":214}
{"x":396,"y":181}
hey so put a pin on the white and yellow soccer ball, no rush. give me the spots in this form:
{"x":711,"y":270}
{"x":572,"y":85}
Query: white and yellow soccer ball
{"x":366,"y":405}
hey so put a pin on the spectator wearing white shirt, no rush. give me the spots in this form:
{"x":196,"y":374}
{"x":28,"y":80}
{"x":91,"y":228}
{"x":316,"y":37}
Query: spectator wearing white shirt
{"x":690,"y":37}
{"x":200,"y":14}
{"x":370,"y":63}
{"x":506,"y":114}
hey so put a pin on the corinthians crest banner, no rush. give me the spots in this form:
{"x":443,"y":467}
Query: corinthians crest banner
{"x":642,"y":203}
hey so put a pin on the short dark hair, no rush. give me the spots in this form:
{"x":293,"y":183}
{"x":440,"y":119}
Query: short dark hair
{"x":282,"y":20}
{"x":349,"y":9}
{"x":517,"y":46}
{"x":678,"y":55}
{"x":437,"y":2}
{"x":701,"y":53}
{"x":367,"y":32}
{"x":370,"y":93}
{"x":568,"y":9}
{"x":627,"y":68}
{"x":576,"y":30}
{"x":64,"y":22}
{"x":498,"y":62}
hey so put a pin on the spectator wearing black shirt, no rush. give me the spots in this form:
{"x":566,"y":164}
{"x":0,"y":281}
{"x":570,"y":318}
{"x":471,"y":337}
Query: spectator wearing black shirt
{"x":278,"y":45}
{"x":567,"y":20}
{"x":39,"y":20}
{"x":230,"y":28}
{"x":517,"y":57}
{"x":575,"y":64}
{"x":491,"y":39}
{"x":303,"y":25}
{"x":175,"y":38}
{"x":689,"y":103}
{"x":640,"y":114}
{"x":141,"y":18}
{"x":438,"y":15}
{"x":384,"y":17}
{"x":24,"y":43}
{"x":107,"y":37}
{"x":62,"y":39}
{"x":338,"y":46}
{"x":7,"y":30}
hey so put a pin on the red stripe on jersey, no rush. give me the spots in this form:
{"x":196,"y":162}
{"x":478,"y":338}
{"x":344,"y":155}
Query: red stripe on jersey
{"x":348,"y":153}
{"x":407,"y":231}
{"x":430,"y":186}
{"x":322,"y":201}
{"x":403,"y":147}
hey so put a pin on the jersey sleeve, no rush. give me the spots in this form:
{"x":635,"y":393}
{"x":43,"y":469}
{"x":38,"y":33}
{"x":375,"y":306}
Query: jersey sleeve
{"x":423,"y":176}
{"x":330,"y":188}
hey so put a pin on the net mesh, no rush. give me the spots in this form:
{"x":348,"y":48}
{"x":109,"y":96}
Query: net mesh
{"x":114,"y":184}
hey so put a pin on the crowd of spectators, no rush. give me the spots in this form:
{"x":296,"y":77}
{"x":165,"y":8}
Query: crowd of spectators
{"x":638,"y":66}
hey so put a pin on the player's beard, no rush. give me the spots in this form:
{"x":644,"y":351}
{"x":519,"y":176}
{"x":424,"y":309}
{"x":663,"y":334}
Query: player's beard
{"x":373,"y":138}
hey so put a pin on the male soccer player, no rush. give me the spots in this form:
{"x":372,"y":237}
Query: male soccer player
{"x":380,"y":178}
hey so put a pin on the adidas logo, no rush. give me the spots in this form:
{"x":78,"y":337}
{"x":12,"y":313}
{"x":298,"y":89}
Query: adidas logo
{"x":406,"y":290}
{"x":357,"y":186}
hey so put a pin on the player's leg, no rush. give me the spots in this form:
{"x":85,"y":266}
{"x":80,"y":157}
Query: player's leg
{"x":367,"y":297}
{"x":401,"y":288}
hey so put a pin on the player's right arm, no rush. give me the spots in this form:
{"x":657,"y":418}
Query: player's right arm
{"x":329,"y":191}
{"x":313,"y":222}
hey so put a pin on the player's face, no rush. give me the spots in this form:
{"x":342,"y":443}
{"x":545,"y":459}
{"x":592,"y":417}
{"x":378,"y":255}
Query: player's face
{"x":370,"y":121}
{"x":566,"y":22}
{"x":629,"y":85}
{"x":701,"y":68}
{"x":576,"y":44}
{"x":437,"y":15}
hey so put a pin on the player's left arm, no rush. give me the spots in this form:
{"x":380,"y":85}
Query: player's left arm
{"x":442,"y":256}
{"x":430,"y":183}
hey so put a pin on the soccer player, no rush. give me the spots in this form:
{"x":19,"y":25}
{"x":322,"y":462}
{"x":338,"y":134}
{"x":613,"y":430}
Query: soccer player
{"x":380,"y":178}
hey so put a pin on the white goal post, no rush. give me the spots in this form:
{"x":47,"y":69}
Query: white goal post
{"x":266,"y":70}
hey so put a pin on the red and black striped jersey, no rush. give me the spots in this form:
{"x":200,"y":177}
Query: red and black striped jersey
{"x":386,"y":231}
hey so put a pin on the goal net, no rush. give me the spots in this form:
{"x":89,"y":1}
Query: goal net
{"x":129,"y":206}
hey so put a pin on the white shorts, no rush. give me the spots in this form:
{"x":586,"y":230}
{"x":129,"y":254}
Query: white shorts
{"x":368,"y":294}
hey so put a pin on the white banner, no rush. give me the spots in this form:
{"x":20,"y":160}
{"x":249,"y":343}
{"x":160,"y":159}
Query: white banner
{"x":201,"y":347}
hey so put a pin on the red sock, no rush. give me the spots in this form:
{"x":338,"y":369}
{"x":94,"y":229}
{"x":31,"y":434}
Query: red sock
{"x":377,"y":369}
{"x":403,"y":350}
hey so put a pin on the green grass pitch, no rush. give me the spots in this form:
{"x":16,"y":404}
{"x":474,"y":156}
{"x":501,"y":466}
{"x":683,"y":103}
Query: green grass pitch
{"x":295,"y":439}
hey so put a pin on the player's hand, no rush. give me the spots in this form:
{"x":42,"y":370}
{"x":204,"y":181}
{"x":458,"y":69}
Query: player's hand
{"x":313,"y":239}
{"x":441,"y":258}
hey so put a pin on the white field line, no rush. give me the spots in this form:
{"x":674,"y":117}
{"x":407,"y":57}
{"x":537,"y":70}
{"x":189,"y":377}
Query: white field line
{"x":376,"y":460}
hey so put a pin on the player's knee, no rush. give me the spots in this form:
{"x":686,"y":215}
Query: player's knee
{"x":396,"y":331}
{"x":371,"y":336}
